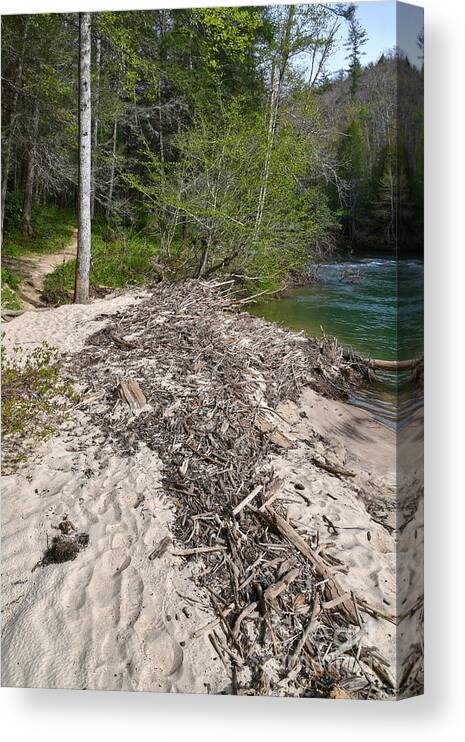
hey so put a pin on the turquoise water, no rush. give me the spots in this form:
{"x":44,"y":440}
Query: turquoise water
{"x":372,"y":305}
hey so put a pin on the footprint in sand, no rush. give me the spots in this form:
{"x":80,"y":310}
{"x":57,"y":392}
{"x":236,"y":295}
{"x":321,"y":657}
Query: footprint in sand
{"x":164,"y":653}
{"x":105,"y":585}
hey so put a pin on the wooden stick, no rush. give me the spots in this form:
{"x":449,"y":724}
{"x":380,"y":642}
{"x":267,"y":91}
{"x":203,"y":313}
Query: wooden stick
{"x":247,"y":499}
{"x":375,"y":613}
{"x":245,"y":613}
{"x":272,"y":591}
{"x":336,"y":601}
{"x":197,"y":550}
{"x":212,"y":624}
{"x":260,"y":293}
{"x":331,"y":587}
{"x":274,"y":492}
{"x":336,"y":470}
{"x":297,"y":651}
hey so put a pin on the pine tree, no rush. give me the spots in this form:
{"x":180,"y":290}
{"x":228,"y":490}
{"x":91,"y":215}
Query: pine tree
{"x":357,"y":38}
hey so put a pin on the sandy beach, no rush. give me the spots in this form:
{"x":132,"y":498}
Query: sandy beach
{"x":133,"y":611}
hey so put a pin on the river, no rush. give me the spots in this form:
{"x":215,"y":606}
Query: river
{"x":373,"y":305}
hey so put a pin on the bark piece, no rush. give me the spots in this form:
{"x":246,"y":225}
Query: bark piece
{"x":275,"y":436}
{"x":131,"y":393}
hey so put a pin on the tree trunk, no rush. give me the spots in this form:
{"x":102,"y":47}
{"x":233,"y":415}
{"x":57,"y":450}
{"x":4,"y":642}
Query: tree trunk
{"x":26,"y":225}
{"x":277,"y":75}
{"x":203,"y":263}
{"x":81,"y":289}
{"x":9,"y":127}
{"x":95,"y":123}
{"x":112,"y":169}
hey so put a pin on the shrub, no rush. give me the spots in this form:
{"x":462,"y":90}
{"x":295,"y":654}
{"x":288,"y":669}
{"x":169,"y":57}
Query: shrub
{"x":13,"y":211}
{"x":53,"y":229}
{"x":35,"y":395}
{"x":126,"y":261}
{"x":10,"y":285}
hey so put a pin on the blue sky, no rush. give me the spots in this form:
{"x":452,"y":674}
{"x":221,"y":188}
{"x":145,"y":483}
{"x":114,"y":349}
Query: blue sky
{"x":379,"y":21}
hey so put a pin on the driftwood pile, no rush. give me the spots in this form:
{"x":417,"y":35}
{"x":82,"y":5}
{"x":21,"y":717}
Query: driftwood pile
{"x":200,"y":377}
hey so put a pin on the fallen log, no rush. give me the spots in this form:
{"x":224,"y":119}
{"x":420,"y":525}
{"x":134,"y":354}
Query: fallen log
{"x":382,"y":365}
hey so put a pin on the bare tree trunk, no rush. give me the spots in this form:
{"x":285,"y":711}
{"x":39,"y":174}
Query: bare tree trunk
{"x":203,"y":263}
{"x":81,"y":289}
{"x":10,"y":128}
{"x":324,"y":53}
{"x":95,"y":123}
{"x":277,"y":75}
{"x":112,"y":169}
{"x":26,"y":225}
{"x":274,"y":104}
{"x":160,"y":101}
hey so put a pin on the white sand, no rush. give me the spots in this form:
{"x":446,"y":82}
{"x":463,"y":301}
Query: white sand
{"x":67,"y":327}
{"x":35,"y":267}
{"x":111,"y":619}
{"x":382,"y":567}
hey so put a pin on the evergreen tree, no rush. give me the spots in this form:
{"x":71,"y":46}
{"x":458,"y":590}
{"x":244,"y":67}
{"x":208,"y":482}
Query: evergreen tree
{"x":357,"y":38}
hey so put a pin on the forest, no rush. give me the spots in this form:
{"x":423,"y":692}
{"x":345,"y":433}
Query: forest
{"x":220,"y":140}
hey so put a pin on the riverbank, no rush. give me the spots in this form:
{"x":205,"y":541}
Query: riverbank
{"x":373,"y":305}
{"x":237,"y":521}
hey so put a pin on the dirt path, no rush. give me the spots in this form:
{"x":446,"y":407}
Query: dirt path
{"x":35,"y":267}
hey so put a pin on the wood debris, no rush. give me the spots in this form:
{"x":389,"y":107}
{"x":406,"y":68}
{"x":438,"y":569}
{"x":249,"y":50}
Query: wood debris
{"x":209,"y":370}
{"x":131,"y":393}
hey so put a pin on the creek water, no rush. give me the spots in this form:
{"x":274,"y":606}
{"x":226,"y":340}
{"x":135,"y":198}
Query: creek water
{"x":373,"y":305}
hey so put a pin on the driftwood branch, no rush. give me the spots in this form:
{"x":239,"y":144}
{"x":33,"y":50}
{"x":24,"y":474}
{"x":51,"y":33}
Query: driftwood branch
{"x":382,"y":365}
{"x":331,"y":587}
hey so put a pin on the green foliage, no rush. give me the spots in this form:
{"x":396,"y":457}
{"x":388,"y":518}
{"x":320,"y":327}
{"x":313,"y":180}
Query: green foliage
{"x":226,"y":32}
{"x":53,"y":228}
{"x":208,"y":138}
{"x":126,"y":260}
{"x":10,"y":285}
{"x":35,"y":396}
{"x":212,"y":196}
{"x":357,"y":38}
{"x":13,"y":211}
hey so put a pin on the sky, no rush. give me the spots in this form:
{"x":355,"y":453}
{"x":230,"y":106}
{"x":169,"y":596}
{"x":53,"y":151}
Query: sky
{"x":380,"y":20}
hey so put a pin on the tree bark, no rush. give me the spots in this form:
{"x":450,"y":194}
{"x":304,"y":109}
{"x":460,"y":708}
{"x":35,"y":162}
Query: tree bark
{"x":9,"y":126}
{"x":26,"y":224}
{"x":81,"y":289}
{"x":203,"y":263}
{"x":277,"y":75}
{"x":112,"y":169}
{"x":95,"y":123}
